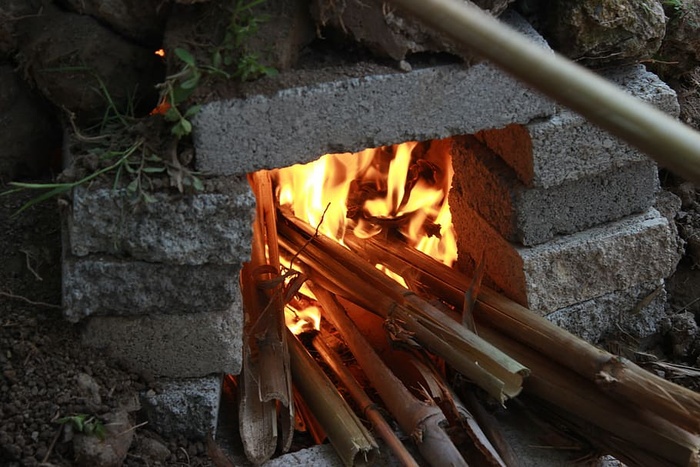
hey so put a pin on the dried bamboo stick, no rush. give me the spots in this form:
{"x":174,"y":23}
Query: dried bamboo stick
{"x":583,"y":398}
{"x":421,"y":420}
{"x":366,"y":404}
{"x":488,"y":367}
{"x":662,"y":137}
{"x":353,"y":443}
{"x":679,"y":405}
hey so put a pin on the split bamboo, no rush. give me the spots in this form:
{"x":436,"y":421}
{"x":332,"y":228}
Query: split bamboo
{"x":615,"y":375}
{"x":420,"y":420}
{"x":368,"y":407}
{"x":671,"y":143}
{"x":488,"y":367}
{"x":350,"y":439}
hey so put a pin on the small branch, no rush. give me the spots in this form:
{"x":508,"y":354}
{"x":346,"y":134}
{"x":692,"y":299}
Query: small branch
{"x":31,"y":302}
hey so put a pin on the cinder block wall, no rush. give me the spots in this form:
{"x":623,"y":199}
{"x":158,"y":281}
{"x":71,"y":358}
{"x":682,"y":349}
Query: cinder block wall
{"x":562,"y":211}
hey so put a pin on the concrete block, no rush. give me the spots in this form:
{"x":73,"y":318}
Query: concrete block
{"x":171,"y":346}
{"x":636,"y":311}
{"x":570,"y":269}
{"x":298,"y":125}
{"x":103,"y":285}
{"x":566,"y":147}
{"x":535,"y":215}
{"x":213,"y":227}
{"x":184,"y":407}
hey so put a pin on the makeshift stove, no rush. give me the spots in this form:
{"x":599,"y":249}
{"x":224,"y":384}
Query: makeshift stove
{"x":560,"y":216}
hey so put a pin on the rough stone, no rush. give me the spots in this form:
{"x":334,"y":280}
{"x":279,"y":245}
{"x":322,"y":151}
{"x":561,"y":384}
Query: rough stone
{"x":636,"y":311}
{"x":192,"y":229}
{"x":234,"y":136}
{"x":111,"y":451}
{"x":569,"y":269}
{"x":29,"y":131}
{"x":531,"y":216}
{"x":101,"y":285}
{"x":566,"y":146}
{"x":10,"y":11}
{"x":172,"y":346}
{"x":680,"y":49}
{"x":598,"y":32}
{"x":74,"y":62}
{"x":184,"y":407}
{"x":142,"y":21}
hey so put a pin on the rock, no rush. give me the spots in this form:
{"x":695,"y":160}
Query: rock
{"x":90,"y":389}
{"x":140,"y":20}
{"x":153,"y":450}
{"x":385,"y":31}
{"x":680,"y":50}
{"x":495,"y":7}
{"x":10,"y":12}
{"x":682,"y":331}
{"x":72,"y":57}
{"x":596,"y":32}
{"x":111,"y":451}
{"x":30,"y":133}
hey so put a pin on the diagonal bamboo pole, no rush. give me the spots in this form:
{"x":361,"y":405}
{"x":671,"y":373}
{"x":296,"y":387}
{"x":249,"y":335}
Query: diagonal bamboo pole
{"x":668,"y":141}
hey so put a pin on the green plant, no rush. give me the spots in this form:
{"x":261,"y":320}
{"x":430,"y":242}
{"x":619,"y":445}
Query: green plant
{"x":86,"y":424}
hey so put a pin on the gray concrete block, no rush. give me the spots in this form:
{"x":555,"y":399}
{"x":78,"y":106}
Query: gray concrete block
{"x":184,"y":407}
{"x":570,"y":269}
{"x":636,"y":311}
{"x":565,"y":147}
{"x":103,"y":285}
{"x":185,"y":229}
{"x":535,"y":215}
{"x":300,"y":124}
{"x":172,"y":346}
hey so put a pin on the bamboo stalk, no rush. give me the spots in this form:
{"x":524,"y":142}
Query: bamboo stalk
{"x":353,"y":443}
{"x":621,"y":377}
{"x":366,"y":404}
{"x":583,"y":398}
{"x":422,"y":421}
{"x":488,"y":367}
{"x":671,"y":143}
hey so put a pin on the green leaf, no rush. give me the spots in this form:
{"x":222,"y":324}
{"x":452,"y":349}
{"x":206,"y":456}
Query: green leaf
{"x":172,"y":115}
{"x":192,"y":111}
{"x":147,"y":197}
{"x":197,"y":183}
{"x":186,"y":125}
{"x":43,"y":197}
{"x":185,"y":56}
{"x":180,"y":95}
{"x":216,"y":59}
{"x":192,"y":82}
{"x":133,"y":186}
{"x":153,"y":170}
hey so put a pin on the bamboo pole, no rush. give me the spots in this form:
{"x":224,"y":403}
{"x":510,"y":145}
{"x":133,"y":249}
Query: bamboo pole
{"x":671,"y":143}
{"x":420,"y":420}
{"x":353,"y":443}
{"x":366,"y":404}
{"x":616,"y":375}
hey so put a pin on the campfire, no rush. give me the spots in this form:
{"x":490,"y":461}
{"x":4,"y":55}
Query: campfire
{"x":353,"y":254}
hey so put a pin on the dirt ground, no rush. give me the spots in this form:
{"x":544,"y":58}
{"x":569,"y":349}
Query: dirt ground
{"x":45,"y":375}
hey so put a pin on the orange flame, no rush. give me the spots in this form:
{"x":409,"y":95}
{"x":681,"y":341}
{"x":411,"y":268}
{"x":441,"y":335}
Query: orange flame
{"x":404,"y":186}
{"x":160,"y":52}
{"x":299,"y":321}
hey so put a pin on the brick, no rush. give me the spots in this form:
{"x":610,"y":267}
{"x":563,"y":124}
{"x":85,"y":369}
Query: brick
{"x":530,"y":215}
{"x":171,"y":346}
{"x":636,"y":312}
{"x":213,"y":227}
{"x":103,"y":285}
{"x":570,"y":269}
{"x":298,"y":125}
{"x":566,"y":147}
{"x":184,"y":407}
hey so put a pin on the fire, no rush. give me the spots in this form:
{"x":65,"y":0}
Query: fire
{"x":402,"y":187}
{"x":299,"y":321}
{"x":160,"y":52}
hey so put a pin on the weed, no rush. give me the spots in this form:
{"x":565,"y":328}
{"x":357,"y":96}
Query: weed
{"x":86,"y":424}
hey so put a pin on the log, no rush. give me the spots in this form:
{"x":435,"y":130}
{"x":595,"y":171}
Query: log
{"x":671,"y":143}
{"x":614,"y":374}
{"x":489,"y":368}
{"x":353,"y":443}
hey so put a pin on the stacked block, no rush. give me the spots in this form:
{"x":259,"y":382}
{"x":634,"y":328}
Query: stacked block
{"x":563,"y":214}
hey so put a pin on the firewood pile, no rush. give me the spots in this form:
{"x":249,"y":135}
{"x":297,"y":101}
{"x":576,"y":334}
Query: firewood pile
{"x":410,"y":344}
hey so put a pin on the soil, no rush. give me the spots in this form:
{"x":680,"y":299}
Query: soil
{"x":45,"y":374}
